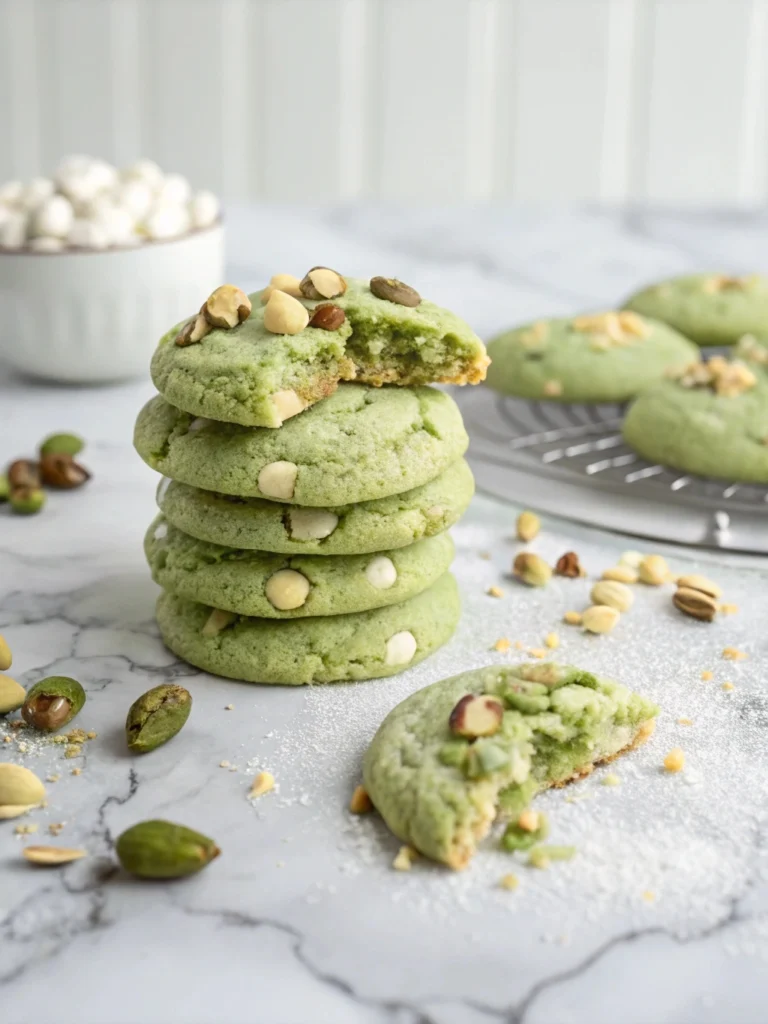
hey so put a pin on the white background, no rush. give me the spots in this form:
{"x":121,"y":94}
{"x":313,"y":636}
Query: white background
{"x":662,"y":101}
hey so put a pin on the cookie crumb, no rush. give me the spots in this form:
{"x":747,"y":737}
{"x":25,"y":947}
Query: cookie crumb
{"x":52,"y":778}
{"x":495,"y":592}
{"x":510,"y":882}
{"x":262,"y":783}
{"x":519,"y":645}
{"x":675,"y":760}
{"x":734,"y":654}
{"x":56,"y":828}
{"x":485,"y":555}
{"x":727,"y":686}
{"x":224,"y":764}
{"x":728,"y":609}
{"x":610,"y":780}
{"x":572,"y":618}
{"x":649,"y":896}
{"x":360,"y":802}
{"x":537,"y":652}
{"x":502,"y":644}
{"x":552,"y":640}
{"x":707,"y":675}
{"x":685,"y":721}
{"x":76,"y":771}
{"x":26,"y":830}
{"x":229,"y":707}
{"x":406,"y":855}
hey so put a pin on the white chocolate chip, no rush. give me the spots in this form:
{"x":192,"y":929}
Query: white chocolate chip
{"x":287,"y":589}
{"x":278,"y":479}
{"x":117,"y":223}
{"x":311,"y":523}
{"x":381,"y":573}
{"x":161,"y":531}
{"x":199,"y":423}
{"x":400,"y":648}
{"x":135,"y":197}
{"x":162,"y":489}
{"x":288,"y":403}
{"x":285,"y":315}
{"x":282,"y":283}
{"x":53,"y":217}
{"x":204,"y":209}
{"x":147,"y":171}
{"x":166,"y":222}
{"x":217,"y":621}
{"x":175,"y":190}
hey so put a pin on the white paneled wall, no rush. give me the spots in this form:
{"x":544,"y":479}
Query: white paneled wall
{"x":439,"y":100}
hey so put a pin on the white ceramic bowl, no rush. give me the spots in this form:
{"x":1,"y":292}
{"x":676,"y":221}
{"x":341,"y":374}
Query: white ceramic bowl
{"x":92,"y":317}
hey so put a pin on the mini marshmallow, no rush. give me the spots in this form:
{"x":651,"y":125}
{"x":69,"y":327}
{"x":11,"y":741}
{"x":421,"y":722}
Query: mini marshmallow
{"x":174,"y":189}
{"x":13,"y":231}
{"x":10,"y":192}
{"x":135,"y":196}
{"x":46,"y":243}
{"x":82,"y":182}
{"x":146,"y":171}
{"x":87,"y":234}
{"x":36,"y":192}
{"x":204,"y":209}
{"x":54,"y":217}
{"x":118,"y":224}
{"x":167,"y":222}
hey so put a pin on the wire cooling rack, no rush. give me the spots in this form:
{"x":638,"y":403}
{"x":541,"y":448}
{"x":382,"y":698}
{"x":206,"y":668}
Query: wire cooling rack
{"x":572,"y":460}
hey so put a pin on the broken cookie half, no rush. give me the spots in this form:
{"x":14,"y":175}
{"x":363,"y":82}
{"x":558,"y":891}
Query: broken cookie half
{"x":455,"y":755}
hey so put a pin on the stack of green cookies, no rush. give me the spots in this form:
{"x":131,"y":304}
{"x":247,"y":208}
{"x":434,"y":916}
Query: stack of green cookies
{"x":312,"y":475}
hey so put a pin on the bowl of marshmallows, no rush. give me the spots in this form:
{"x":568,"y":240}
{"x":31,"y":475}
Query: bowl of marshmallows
{"x":97,"y":263}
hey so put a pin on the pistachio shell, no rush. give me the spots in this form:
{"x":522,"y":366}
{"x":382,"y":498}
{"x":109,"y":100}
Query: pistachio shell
{"x":62,"y":444}
{"x":160,"y":849}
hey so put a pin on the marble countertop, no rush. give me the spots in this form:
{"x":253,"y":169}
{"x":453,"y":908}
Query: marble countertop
{"x":663,"y":914}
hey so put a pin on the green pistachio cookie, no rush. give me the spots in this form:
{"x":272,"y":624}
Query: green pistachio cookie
{"x":360,"y":444}
{"x":392,"y":522}
{"x":710,"y":309}
{"x":363,"y":645}
{"x":277,"y":586}
{"x":712,"y":421}
{"x":455,"y":755}
{"x":605,"y":357}
{"x":250,"y":375}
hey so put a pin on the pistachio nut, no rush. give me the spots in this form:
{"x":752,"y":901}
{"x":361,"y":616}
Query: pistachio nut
{"x":23,"y":473}
{"x":6,"y":658}
{"x":528,"y":526}
{"x":12,"y":694}
{"x":701,"y":583}
{"x":160,"y":849}
{"x":53,"y":703}
{"x":531,"y":569}
{"x":60,"y":470}
{"x":226,"y":307}
{"x":614,"y":594}
{"x":322,"y":283}
{"x":5,"y":487}
{"x":568,"y":565}
{"x":193,"y":331}
{"x":392,"y":290}
{"x":20,"y":790}
{"x":52,"y":856}
{"x":27,"y":501}
{"x":653,"y":570}
{"x":156,"y":717}
{"x":695,"y":603}
{"x":621,"y":574}
{"x":62,"y":444}
{"x":328,"y":317}
{"x":600,"y":618}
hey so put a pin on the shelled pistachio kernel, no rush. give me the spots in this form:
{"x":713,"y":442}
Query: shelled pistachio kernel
{"x":12,"y":694}
{"x":392,"y":290}
{"x":193,"y":331}
{"x":52,"y":856}
{"x":6,"y":658}
{"x":600,"y":618}
{"x":531,"y":569}
{"x":653,"y":570}
{"x":476,"y":716}
{"x":285,"y":315}
{"x":527,"y":526}
{"x":52,"y":703}
{"x":61,"y":471}
{"x":62,"y":444}
{"x":621,"y":574}
{"x":20,"y":790}
{"x":322,"y":283}
{"x":614,"y":594}
{"x":162,"y":849}
{"x":226,"y":307}
{"x":282,"y":283}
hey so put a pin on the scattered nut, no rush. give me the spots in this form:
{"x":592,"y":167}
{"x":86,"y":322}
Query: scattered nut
{"x":226,"y":307}
{"x":406,"y":855}
{"x":24,"y":473}
{"x":476,"y":716}
{"x":287,"y":404}
{"x":62,"y":471}
{"x":193,"y":331}
{"x":360,"y":802}
{"x":701,"y":583}
{"x":278,"y":479}
{"x":600,"y":618}
{"x":706,"y":675}
{"x":727,"y":686}
{"x":52,"y":703}
{"x":695,"y":603}
{"x":20,"y":791}
{"x":392,"y":290}
{"x":621,"y":574}
{"x":653,"y":570}
{"x":381,"y":572}
{"x":12,"y":694}
{"x":495,"y":592}
{"x":285,"y":315}
{"x":528,"y":526}
{"x":322,"y":283}
{"x":328,"y":317}
{"x":569,"y":565}
{"x":675,"y":760}
{"x":27,"y":501}
{"x":631,"y":558}
{"x":262,"y":783}
{"x":62,"y":444}
{"x":510,"y":882}
{"x":734,"y":654}
{"x":52,"y":856}
{"x":537,"y":652}
{"x":287,"y":589}
{"x":502,"y":644}
{"x":572,"y":618}
{"x":217,"y":621}
{"x":311,"y":523}
{"x":282,"y":283}
{"x":552,"y":640}
{"x":612,"y":593}
{"x":400,"y":648}
{"x":531,"y":569}
{"x":6,"y":658}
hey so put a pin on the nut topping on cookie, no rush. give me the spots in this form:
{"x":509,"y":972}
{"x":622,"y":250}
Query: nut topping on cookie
{"x":282,"y":283}
{"x":226,"y":307}
{"x":612,"y":329}
{"x":392,"y":290}
{"x":285,"y":315}
{"x":476,"y":716}
{"x":322,"y":283}
{"x":725,"y":378}
{"x":328,"y":317}
{"x":193,"y":331}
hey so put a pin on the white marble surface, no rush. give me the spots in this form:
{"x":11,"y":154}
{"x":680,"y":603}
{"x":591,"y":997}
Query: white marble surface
{"x":302,"y":920}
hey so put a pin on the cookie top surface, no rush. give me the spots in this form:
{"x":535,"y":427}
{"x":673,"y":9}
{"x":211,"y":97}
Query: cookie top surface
{"x":278,"y":586}
{"x":440,"y":790}
{"x":710,"y":309}
{"x":602,"y":357}
{"x":336,"y":648}
{"x":360,"y":444}
{"x":391,"y":522}
{"x":705,"y":423}
{"x":234,"y":375}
